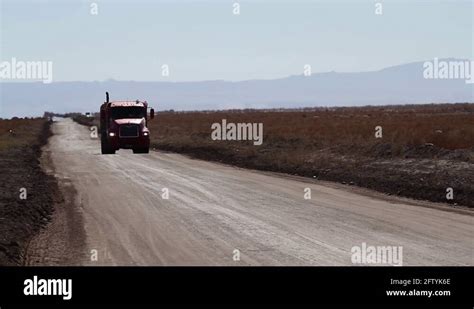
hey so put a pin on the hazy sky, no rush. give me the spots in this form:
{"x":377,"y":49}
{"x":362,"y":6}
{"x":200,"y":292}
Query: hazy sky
{"x":203,"y":40}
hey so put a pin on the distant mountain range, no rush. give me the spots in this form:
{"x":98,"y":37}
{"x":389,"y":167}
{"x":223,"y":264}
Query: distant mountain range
{"x":402,"y":84}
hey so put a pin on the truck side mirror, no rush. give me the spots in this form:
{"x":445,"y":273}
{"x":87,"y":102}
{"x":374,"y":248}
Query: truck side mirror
{"x":152,"y":113}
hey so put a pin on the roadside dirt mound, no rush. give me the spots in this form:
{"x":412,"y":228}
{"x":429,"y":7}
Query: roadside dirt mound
{"x":425,"y":176}
{"x":20,"y":218}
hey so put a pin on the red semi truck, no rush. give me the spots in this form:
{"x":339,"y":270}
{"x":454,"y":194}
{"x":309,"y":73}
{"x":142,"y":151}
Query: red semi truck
{"x":123,"y":124}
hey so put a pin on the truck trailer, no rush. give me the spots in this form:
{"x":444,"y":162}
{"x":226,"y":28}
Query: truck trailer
{"x":123,"y":124}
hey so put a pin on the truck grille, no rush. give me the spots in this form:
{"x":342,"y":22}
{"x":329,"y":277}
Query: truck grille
{"x":128,"y":131}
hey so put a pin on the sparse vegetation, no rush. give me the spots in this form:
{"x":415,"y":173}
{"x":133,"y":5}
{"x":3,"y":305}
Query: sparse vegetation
{"x":346,"y":131}
{"x":18,"y":132}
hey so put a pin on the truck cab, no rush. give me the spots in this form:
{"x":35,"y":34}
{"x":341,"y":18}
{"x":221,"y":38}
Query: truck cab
{"x":123,"y":124}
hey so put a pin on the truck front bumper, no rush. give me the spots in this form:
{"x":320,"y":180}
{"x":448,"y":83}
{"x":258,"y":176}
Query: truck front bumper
{"x":129,"y":142}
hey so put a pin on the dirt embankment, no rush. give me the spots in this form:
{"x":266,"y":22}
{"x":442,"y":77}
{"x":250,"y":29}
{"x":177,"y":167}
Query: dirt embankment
{"x":420,"y":179}
{"x":27,"y":194}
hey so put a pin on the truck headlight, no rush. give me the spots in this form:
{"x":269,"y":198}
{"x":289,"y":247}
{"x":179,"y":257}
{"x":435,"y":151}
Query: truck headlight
{"x":145,"y":133}
{"x":111,"y":134}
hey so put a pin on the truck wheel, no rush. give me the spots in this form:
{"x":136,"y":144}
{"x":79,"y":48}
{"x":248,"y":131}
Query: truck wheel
{"x":105,"y":148}
{"x":141,"y":150}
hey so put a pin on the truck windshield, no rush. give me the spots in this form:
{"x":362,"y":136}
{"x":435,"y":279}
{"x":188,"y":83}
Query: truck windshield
{"x":127,"y":112}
